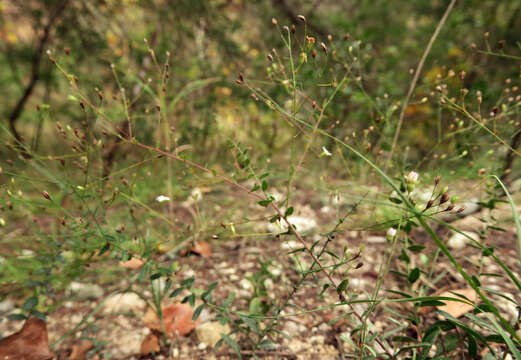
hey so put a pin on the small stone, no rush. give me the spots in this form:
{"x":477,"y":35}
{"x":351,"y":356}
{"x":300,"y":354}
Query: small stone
{"x":245,"y":284}
{"x":293,"y":329}
{"x":85,"y":291}
{"x":210,"y":333}
{"x":471,"y":206}
{"x":376,"y":240}
{"x":459,"y":241}
{"x":6,"y":306}
{"x":301,"y":223}
{"x":468,"y":223}
{"x":124,"y":303}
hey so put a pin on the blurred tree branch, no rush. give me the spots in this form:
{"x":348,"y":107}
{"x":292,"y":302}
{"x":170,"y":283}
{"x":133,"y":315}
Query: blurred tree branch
{"x":35,"y":70}
{"x":288,"y":11}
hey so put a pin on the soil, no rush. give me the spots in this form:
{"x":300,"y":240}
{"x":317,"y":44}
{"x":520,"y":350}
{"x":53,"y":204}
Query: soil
{"x":323,"y":333}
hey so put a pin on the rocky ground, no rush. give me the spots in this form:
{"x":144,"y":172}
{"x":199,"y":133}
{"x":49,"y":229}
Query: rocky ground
{"x":119,"y":324}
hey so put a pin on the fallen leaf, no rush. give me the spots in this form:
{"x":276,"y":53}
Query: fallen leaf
{"x":150,"y":345}
{"x":80,"y":350}
{"x":334,"y":320}
{"x":30,"y":343}
{"x":456,"y":308}
{"x":177,"y":318}
{"x":202,"y":248}
{"x":132,"y":264}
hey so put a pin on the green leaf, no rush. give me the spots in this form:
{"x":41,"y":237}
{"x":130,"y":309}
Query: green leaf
{"x":104,"y":249}
{"x":197,"y":312}
{"x":209,"y":290}
{"x":155,"y":276}
{"x":342,"y":286}
{"x":187,"y":283}
{"x":289,"y":211}
{"x":176,"y":292}
{"x":264,"y":185}
{"x":168,"y":285}
{"x":472,"y":347}
{"x":274,"y":218}
{"x":414,"y":275}
{"x":265,"y":203}
{"x":189,"y":299}
{"x":416,"y":248}
{"x":16,"y":317}
{"x":404,"y":257}
{"x":431,"y":303}
{"x":232,"y":344}
{"x":30,"y":303}
{"x":325,"y":287}
{"x":251,"y":323}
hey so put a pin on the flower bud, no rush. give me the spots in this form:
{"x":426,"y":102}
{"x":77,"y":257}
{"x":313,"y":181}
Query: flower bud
{"x":412,"y":177}
{"x":437,"y":180}
{"x":391,"y":233}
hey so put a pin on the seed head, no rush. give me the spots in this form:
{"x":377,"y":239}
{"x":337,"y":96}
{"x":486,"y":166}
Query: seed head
{"x":324,"y":47}
{"x":293,"y":29}
{"x":301,"y":18}
{"x":314,"y":53}
{"x":437,"y":180}
{"x":460,"y":210}
{"x":46,"y":195}
{"x":274,"y":21}
{"x":449,"y":208}
{"x":429,"y":204}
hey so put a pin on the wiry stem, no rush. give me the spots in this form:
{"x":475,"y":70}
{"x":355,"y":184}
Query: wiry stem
{"x":415,"y":80}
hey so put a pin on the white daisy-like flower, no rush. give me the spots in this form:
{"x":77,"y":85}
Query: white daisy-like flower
{"x":325,"y":152}
{"x":162,"y":198}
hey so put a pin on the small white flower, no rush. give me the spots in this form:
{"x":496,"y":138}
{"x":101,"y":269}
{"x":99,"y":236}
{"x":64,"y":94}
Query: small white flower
{"x":412,"y":177}
{"x":325,"y":152}
{"x":196,"y":194}
{"x":391,"y":233}
{"x":162,"y":198}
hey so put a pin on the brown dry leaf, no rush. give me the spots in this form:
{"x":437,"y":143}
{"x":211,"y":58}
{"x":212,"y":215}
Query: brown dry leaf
{"x":132,"y":264}
{"x":202,"y":248}
{"x":456,"y":308}
{"x":80,"y":350}
{"x":338,"y":322}
{"x":177,"y":318}
{"x":30,"y":343}
{"x":150,"y":345}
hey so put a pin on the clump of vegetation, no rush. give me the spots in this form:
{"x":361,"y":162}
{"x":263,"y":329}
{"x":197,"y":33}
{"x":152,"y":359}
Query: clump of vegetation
{"x":321,"y":158}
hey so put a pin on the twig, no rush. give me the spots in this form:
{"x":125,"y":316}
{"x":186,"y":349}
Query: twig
{"x":415,"y":80}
